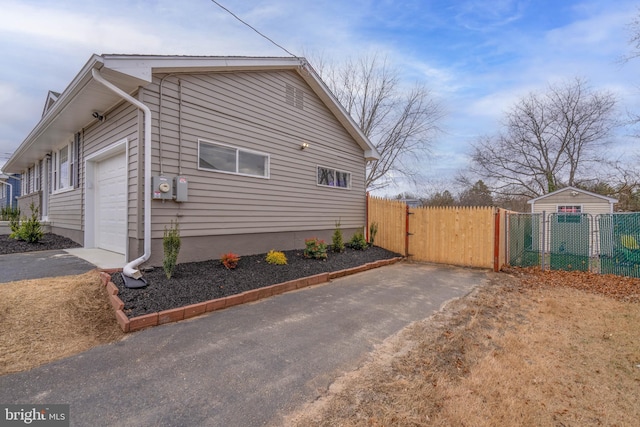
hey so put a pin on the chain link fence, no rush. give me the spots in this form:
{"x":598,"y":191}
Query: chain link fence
{"x":605,"y":243}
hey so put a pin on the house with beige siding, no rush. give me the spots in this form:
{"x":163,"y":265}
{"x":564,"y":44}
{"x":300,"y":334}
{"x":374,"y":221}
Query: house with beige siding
{"x":245,"y":154}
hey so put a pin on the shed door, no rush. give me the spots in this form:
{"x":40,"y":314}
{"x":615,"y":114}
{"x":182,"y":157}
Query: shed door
{"x":111,"y":204}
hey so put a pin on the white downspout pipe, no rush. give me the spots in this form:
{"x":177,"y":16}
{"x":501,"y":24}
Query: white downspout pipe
{"x":10,"y":193}
{"x":131,"y":269}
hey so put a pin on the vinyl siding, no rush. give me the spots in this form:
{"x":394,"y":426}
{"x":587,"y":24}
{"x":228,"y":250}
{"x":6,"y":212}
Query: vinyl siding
{"x":249,"y":110}
{"x":590,"y":204}
{"x":121,"y":122}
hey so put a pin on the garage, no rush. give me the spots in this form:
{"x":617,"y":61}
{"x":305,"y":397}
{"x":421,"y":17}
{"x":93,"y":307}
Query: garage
{"x":111,"y":204}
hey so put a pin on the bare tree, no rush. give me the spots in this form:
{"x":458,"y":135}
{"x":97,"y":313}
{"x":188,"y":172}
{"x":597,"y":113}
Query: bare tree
{"x":549,"y":140}
{"x":634,"y":38}
{"x":401,"y":123}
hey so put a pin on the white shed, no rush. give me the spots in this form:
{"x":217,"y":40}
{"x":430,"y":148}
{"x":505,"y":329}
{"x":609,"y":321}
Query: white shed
{"x":572,"y":223}
{"x":572,"y":200}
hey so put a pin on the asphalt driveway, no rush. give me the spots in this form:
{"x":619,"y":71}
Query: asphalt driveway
{"x":40,"y":264}
{"x":247,"y":365}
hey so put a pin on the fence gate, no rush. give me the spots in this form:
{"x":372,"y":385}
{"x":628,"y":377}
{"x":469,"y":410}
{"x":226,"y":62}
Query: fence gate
{"x":569,"y":241}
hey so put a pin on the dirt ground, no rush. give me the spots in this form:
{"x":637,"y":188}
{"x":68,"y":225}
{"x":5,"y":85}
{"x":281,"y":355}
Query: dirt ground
{"x":530,"y":348}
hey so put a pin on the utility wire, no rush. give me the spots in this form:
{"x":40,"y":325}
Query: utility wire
{"x":248,"y":25}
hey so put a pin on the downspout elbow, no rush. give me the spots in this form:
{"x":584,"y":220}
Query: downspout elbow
{"x":131,"y":269}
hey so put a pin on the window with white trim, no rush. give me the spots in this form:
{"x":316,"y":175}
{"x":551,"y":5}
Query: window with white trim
{"x":570,"y":209}
{"x":63,"y":167}
{"x":329,"y":177}
{"x":569,"y":213}
{"x":225,"y":158}
{"x":36,"y":181}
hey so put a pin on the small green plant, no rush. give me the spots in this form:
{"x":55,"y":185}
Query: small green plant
{"x":14,"y":225}
{"x":276,"y":258}
{"x":29,"y":229}
{"x":230,"y":260}
{"x":338,"y":244}
{"x":171,"y":243}
{"x":358,"y":242}
{"x":315,"y":248}
{"x":373,"y":230}
{"x":8,"y":213}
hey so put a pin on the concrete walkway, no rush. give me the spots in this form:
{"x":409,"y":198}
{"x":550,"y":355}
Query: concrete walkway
{"x":247,"y":365}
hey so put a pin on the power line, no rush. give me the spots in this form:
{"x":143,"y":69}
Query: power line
{"x":248,"y":25}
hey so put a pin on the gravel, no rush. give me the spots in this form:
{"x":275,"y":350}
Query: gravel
{"x":48,"y":242}
{"x":196,"y":282}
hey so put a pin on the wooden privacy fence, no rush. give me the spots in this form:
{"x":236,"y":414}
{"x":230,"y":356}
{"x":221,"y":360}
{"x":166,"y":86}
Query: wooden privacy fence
{"x":464,"y":236}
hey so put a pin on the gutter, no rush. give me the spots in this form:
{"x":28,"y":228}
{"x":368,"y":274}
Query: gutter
{"x":131,"y":269}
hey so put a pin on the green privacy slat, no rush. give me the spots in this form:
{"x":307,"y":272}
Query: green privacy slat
{"x":524,"y":240}
{"x":620,"y":244}
{"x":570,"y":242}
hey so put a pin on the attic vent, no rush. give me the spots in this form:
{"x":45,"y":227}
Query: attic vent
{"x":295,"y":96}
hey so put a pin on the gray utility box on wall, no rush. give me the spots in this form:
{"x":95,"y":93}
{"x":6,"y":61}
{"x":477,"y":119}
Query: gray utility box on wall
{"x":162,"y":188}
{"x":181,"y":187}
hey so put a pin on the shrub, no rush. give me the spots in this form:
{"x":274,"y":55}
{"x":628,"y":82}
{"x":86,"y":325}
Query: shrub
{"x":373,"y":230}
{"x":14,"y":225}
{"x":171,"y":243}
{"x":230,"y":260}
{"x":30,"y":229}
{"x":9,"y":213}
{"x":358,"y":242}
{"x":276,"y":258}
{"x":338,"y":244}
{"x":315,"y":248}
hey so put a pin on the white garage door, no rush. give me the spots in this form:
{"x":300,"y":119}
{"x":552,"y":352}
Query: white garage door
{"x":111,"y":204}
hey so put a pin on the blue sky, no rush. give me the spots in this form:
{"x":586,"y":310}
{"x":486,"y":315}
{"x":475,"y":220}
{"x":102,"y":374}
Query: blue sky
{"x":478,"y":57}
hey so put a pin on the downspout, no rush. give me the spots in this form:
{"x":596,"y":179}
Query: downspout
{"x":130,"y":269}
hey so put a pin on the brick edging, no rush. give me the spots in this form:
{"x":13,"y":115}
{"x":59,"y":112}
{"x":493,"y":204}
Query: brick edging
{"x":176,"y":314}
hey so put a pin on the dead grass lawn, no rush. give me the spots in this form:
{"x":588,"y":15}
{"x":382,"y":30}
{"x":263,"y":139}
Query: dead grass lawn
{"x":48,"y":319}
{"x":534,"y":350}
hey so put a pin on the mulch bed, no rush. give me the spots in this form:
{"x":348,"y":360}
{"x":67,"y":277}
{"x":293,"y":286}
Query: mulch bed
{"x":48,"y":242}
{"x":196,"y":282}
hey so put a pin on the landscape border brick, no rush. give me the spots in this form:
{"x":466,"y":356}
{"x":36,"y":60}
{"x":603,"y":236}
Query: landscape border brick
{"x":172,"y":315}
{"x":193,"y":310}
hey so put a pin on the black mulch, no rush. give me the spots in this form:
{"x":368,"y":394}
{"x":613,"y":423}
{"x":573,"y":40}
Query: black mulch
{"x":48,"y":242}
{"x":196,"y":282}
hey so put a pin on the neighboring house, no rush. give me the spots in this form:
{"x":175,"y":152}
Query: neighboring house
{"x":412,"y":203}
{"x":246,"y":154}
{"x":9,"y":190}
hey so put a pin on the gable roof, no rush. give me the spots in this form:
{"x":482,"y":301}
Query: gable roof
{"x":72,"y":109}
{"x":52,"y":97}
{"x":600,"y":196}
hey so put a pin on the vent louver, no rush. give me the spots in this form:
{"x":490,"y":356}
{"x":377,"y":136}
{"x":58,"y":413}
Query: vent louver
{"x":294,"y":96}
